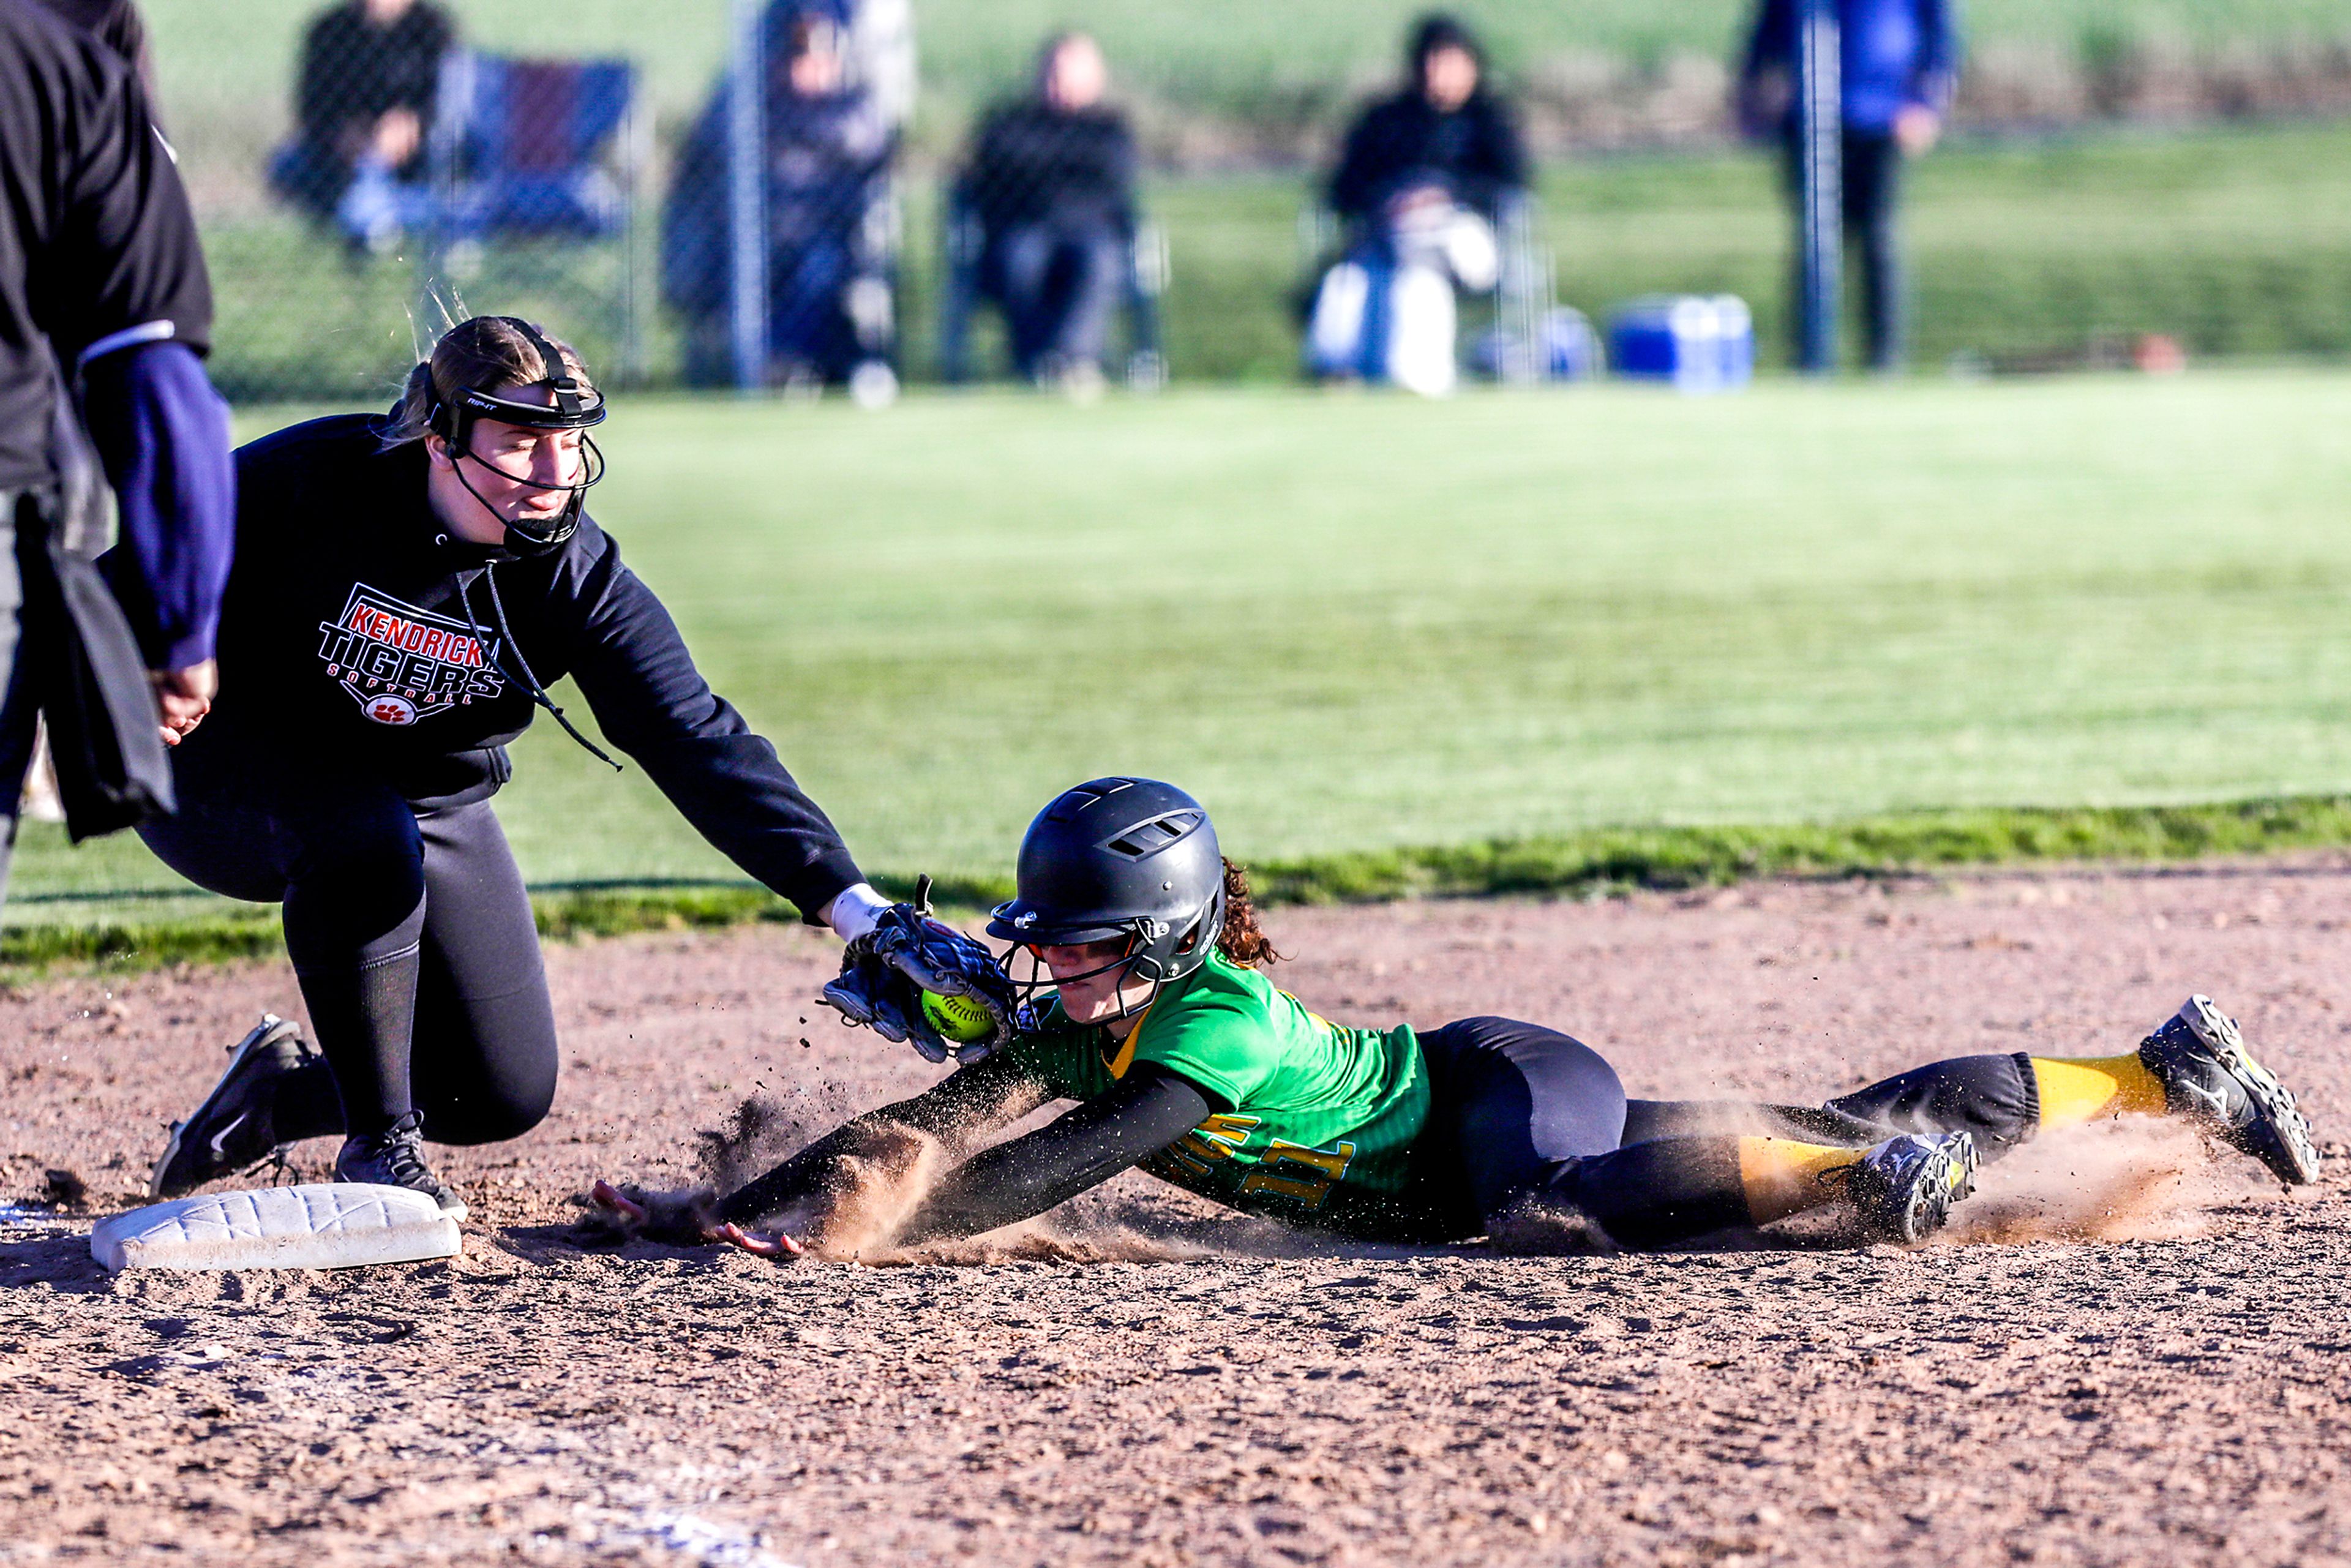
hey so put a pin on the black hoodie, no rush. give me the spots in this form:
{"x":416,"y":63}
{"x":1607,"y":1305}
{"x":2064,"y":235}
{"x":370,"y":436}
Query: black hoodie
{"x":1474,"y":152}
{"x":361,"y":634}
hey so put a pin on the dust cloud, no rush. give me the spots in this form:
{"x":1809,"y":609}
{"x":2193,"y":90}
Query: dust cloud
{"x":2130,"y":1179}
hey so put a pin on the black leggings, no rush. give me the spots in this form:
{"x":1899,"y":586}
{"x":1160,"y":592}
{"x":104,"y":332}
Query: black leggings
{"x":1872,"y":162}
{"x":409,"y":930}
{"x":1523,"y":1114}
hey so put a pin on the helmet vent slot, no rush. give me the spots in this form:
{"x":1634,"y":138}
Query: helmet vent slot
{"x":1068,"y":805}
{"x":1149,"y":838}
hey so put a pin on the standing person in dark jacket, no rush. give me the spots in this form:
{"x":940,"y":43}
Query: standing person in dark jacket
{"x":370,"y":71}
{"x":103,"y":293}
{"x":1051,"y":181}
{"x":1897,"y":65}
{"x":1425,"y":175}
{"x":405,"y":588}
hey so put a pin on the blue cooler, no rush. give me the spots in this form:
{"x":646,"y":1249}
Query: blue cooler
{"x":1698,"y":343}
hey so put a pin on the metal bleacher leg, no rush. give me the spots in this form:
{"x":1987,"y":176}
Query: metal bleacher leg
{"x":959,"y":258}
{"x":1146,"y":360}
{"x":1524,"y":298}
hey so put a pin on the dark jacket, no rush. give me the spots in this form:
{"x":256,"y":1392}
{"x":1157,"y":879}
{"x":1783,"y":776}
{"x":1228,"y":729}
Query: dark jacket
{"x":96,"y":234}
{"x":353,"y":71}
{"x":1065,"y":169}
{"x":358,"y":635}
{"x":1891,"y":53}
{"x":828,"y":161}
{"x":1474,"y":152}
{"x":118,"y":24}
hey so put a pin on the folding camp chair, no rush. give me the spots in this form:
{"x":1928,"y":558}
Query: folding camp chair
{"x":1505,"y":331}
{"x":967,"y":286}
{"x":532,"y":159}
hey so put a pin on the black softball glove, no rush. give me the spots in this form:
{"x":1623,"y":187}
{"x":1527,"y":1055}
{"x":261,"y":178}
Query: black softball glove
{"x":885,"y":972}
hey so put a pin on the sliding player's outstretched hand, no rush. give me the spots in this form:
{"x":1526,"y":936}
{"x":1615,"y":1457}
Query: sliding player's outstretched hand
{"x":760,"y":1243}
{"x":626,"y":1213}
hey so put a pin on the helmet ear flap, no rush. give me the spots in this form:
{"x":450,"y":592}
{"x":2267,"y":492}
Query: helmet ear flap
{"x":1203,"y":931}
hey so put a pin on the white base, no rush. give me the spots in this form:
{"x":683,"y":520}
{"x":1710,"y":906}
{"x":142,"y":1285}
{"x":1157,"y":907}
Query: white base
{"x":320,"y":1225}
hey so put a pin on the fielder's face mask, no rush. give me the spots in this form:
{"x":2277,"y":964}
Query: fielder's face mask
{"x":572,"y":407}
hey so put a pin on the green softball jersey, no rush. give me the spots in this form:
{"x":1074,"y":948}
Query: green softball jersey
{"x":1322,"y":1117}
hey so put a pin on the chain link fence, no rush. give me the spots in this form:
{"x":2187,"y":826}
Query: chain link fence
{"x":769,"y":193}
{"x":736,"y":199}
{"x":364,"y":171}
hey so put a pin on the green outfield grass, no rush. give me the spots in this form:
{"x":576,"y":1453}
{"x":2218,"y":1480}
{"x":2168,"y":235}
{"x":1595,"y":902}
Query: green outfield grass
{"x":1360,"y":625}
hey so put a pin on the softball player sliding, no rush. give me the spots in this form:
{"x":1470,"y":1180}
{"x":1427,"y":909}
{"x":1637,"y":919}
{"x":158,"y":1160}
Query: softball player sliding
{"x":1188,"y":1062}
{"x":404,"y":587}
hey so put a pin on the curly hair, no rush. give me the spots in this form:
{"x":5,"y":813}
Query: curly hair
{"x":1243,"y":941}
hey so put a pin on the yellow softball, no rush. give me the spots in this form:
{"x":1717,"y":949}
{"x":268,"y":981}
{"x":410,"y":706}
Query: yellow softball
{"x":959,"y":1018}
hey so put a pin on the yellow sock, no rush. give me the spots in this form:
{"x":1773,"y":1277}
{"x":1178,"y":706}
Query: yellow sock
{"x":1782,"y":1176}
{"x":2083,"y":1089}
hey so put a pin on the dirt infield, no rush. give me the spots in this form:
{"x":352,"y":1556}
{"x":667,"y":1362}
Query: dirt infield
{"x":2127,"y":1354}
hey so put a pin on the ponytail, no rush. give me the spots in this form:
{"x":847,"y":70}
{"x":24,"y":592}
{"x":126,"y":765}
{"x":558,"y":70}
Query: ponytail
{"x":1243,"y":941}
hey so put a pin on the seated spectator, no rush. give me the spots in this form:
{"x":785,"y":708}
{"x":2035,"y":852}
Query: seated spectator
{"x":829,"y":148}
{"x":1424,"y":177}
{"x":1050,"y":180}
{"x":370,"y":69}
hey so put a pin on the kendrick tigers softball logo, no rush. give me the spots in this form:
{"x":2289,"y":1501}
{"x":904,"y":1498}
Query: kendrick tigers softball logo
{"x":402,"y":663}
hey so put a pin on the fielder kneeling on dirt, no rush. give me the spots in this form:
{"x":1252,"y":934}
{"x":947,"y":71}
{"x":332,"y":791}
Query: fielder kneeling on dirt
{"x":405,"y":588}
{"x":1188,"y":1062}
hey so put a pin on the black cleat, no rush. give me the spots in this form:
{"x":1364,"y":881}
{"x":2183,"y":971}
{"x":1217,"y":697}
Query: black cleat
{"x":233,"y":1128}
{"x":1905,"y":1188}
{"x":395,"y":1157}
{"x":2209,"y":1079}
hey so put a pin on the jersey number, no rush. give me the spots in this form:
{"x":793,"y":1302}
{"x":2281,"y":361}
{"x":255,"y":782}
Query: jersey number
{"x":1293,"y":1170}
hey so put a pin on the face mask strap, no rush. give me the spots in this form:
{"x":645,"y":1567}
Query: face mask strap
{"x":568,"y":405}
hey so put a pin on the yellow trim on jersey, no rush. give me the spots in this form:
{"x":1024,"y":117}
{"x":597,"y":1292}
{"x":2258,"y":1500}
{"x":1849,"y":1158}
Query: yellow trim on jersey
{"x":1325,"y":1024}
{"x":1126,"y":1058}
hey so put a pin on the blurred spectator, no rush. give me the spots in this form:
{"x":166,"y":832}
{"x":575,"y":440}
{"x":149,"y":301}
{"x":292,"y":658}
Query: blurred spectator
{"x":881,"y":54}
{"x":1050,"y":180}
{"x":118,"y":24}
{"x":369,"y":72}
{"x":1425,"y":175}
{"x":1445,"y":133}
{"x":1897,"y":65}
{"x":828,"y":147}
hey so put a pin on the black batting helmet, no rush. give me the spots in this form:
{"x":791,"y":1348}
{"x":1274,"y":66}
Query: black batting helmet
{"x":1120,"y":859}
